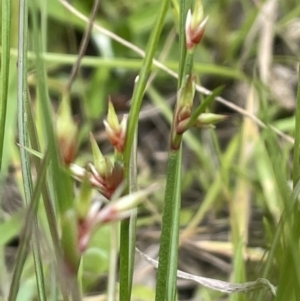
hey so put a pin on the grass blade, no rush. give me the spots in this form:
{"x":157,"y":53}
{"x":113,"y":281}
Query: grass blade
{"x":168,"y":253}
{"x":127,"y":242}
{"x":23,"y":248}
{"x":22,"y":99}
{"x":184,"y":5}
{"x":5,"y":57}
{"x":296,"y":170}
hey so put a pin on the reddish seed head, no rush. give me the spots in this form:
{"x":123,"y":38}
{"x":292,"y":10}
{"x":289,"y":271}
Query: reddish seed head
{"x":194,"y":31}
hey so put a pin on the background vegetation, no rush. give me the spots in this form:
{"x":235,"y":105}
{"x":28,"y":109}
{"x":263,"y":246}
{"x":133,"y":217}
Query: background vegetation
{"x":239,"y":214}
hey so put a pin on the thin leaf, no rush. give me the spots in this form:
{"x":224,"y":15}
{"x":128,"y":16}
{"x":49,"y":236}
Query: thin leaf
{"x":296,"y":170}
{"x":205,"y":104}
{"x":184,"y":6}
{"x":5,"y":56}
{"x":168,"y":253}
{"x":127,"y":240}
{"x":25,"y":159}
{"x":23,"y":248}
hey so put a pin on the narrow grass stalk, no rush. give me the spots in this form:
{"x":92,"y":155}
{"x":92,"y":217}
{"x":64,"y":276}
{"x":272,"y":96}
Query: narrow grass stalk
{"x":296,"y":168}
{"x":166,"y":286}
{"x":50,"y":214}
{"x":24,"y":142}
{"x":62,"y":184}
{"x":39,"y":273}
{"x":52,"y":59}
{"x":5,"y":55}
{"x":59,"y":177}
{"x":184,"y":6}
{"x":113,"y":255}
{"x":23,"y":248}
{"x":22,"y":98}
{"x":168,"y":254}
{"x":127,"y":239}
{"x":45,"y":190}
{"x":142,"y":79}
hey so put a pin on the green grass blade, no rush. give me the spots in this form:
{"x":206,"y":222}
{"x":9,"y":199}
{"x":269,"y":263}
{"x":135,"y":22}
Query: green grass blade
{"x":184,"y":6}
{"x":22,"y":99}
{"x":62,"y":195}
{"x":61,"y":182}
{"x":296,"y":168}
{"x":205,"y":104}
{"x":168,"y":254}
{"x":50,"y":213}
{"x":127,"y":238}
{"x":23,"y":248}
{"x":142,"y":80}
{"x":52,"y":59}
{"x":24,"y":141}
{"x":5,"y":56}
{"x":25,"y":159}
{"x":45,"y":189}
{"x":38,"y":266}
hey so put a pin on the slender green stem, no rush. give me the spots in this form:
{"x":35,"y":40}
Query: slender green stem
{"x":39,"y":273}
{"x":62,"y":183}
{"x":296,"y":170}
{"x":166,"y":287}
{"x":127,"y":245}
{"x":44,"y":27}
{"x":142,"y":80}
{"x":23,"y":248}
{"x":184,"y":5}
{"x":63,"y":186}
{"x":168,"y":254}
{"x":113,"y":255}
{"x":51,"y":59}
{"x":188,"y":64}
{"x":45,"y":190}
{"x":22,"y":98}
{"x":50,"y":213}
{"x":5,"y":55}
{"x":25,"y":159}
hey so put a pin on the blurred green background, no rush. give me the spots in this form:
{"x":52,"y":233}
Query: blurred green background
{"x":234,"y":188}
